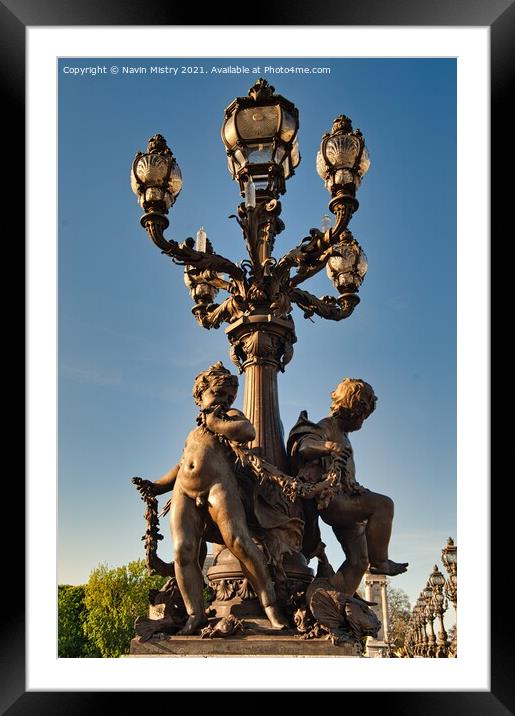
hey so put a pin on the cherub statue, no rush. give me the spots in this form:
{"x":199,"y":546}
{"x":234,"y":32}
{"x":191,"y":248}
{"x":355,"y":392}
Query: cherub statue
{"x":322,"y":458}
{"x":206,"y":495}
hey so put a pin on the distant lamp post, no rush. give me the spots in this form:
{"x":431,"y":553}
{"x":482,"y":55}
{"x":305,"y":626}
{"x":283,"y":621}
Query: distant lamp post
{"x":421,"y":604}
{"x":418,"y":625}
{"x":437,"y":581}
{"x":412,"y":634}
{"x":450,"y":560}
{"x":430,"y":615}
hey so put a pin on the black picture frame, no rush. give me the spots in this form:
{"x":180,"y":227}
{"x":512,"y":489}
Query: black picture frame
{"x":499,"y":16}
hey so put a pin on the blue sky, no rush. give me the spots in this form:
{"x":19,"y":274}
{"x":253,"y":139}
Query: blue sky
{"x":129,"y":347}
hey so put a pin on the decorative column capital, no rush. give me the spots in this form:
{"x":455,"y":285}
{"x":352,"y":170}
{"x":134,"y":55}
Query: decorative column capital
{"x":261,"y":340}
{"x":379,"y":579}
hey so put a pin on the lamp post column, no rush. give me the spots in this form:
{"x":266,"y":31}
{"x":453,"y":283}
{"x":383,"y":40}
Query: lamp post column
{"x":261,"y":346}
{"x":450,"y":560}
{"x":430,"y":616}
{"x":437,"y":581}
{"x":425,"y":638}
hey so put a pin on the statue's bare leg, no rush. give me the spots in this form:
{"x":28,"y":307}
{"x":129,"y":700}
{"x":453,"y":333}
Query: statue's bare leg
{"x":347,"y":517}
{"x":354,"y":543}
{"x":187,"y":525}
{"x":379,"y":530}
{"x":227,"y":512}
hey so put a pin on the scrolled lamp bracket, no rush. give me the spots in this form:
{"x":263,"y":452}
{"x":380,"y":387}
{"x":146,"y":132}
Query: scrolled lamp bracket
{"x":333,"y":309}
{"x":155,"y":225}
{"x":157,"y":181}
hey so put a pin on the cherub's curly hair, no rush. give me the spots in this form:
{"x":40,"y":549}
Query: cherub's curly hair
{"x":216,"y":374}
{"x":351,"y":393}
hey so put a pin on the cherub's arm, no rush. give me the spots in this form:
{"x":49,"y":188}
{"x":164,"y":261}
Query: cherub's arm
{"x":159,"y":487}
{"x":311,"y":448}
{"x":166,"y":482}
{"x":234,"y":427}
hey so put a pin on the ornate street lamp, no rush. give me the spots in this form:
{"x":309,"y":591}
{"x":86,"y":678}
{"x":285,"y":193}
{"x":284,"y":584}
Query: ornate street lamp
{"x":259,"y":132}
{"x":430,"y":616}
{"x":421,"y":604}
{"x":450,"y":560}
{"x":418,"y":626}
{"x":437,"y":581}
{"x":413,"y":627}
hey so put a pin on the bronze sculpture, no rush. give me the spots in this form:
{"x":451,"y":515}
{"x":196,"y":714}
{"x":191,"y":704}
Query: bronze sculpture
{"x":211,"y":487}
{"x":206,"y":497}
{"x":321,"y":455}
{"x":235,"y":484}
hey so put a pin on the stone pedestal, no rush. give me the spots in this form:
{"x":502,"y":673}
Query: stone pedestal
{"x":284,"y":645}
{"x":375,"y":591}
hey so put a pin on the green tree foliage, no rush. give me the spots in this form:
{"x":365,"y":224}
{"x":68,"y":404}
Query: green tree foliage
{"x":113,"y":600}
{"x":72,"y":642}
{"x":399,"y":611}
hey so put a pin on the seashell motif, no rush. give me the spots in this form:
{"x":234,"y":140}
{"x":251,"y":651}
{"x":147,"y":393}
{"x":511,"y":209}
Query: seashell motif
{"x":152,"y":168}
{"x":341,"y":150}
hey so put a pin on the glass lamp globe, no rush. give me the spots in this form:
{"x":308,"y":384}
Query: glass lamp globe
{"x":260,"y":136}
{"x":156,"y":178}
{"x":343,"y":158}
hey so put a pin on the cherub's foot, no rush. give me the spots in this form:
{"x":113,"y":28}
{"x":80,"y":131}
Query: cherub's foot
{"x":276,"y":619}
{"x":388,"y":567}
{"x":195,"y":621}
